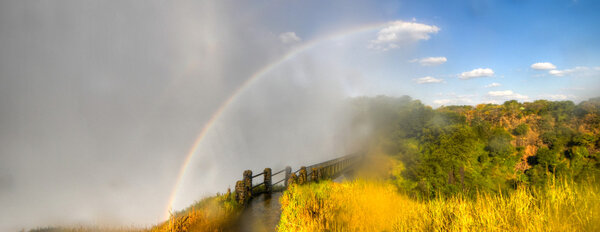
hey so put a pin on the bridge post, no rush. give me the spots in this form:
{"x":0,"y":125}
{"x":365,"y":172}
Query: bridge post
{"x":292,"y":180}
{"x":336,"y":169}
{"x":267,"y":180}
{"x":248,"y":183}
{"x":320,"y":173}
{"x":333,"y":170}
{"x":288,"y":173}
{"x":314,"y":175}
{"x":240,"y":194}
{"x":302,"y":175}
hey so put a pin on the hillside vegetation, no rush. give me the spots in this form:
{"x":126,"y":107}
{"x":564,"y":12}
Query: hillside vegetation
{"x":487,"y":148}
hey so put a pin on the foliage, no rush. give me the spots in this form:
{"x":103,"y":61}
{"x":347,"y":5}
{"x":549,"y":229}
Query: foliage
{"x":521,"y":129}
{"x":468,"y":149}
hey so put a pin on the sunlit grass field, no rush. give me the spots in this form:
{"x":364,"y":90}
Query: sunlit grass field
{"x":362,"y":205}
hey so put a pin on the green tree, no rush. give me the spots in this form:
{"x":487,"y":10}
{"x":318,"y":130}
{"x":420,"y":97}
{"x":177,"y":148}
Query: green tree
{"x":521,"y":129}
{"x":499,"y":144}
{"x":546,"y":158}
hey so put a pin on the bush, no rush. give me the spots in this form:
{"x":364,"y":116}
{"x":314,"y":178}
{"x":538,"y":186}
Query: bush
{"x":521,"y":130}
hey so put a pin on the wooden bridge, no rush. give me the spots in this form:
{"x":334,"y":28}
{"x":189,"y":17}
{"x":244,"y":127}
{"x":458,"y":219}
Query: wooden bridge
{"x":245,"y":190}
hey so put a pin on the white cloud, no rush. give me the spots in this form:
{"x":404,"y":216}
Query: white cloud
{"x":543,"y":66}
{"x":489,"y":101}
{"x":579,"y":71}
{"x":558,"y":73}
{"x":557,"y":96}
{"x":443,"y":101}
{"x":507,"y":95}
{"x":493,"y":85}
{"x":431,"y":61}
{"x":457,"y":100}
{"x":500,"y":93}
{"x":399,"y":32}
{"x":289,"y":37}
{"x":454,"y":99}
{"x":480,"y":72}
{"x":428,"y":80}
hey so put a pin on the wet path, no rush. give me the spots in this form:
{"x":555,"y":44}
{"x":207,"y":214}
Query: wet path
{"x":261,"y":214}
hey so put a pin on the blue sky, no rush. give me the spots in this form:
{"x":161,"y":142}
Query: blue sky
{"x":502,"y":39}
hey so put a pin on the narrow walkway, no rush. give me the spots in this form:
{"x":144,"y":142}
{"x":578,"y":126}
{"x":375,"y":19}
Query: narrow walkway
{"x":261,"y":214}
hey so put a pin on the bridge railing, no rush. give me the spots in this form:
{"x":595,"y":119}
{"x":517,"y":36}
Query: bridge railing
{"x":245,"y":190}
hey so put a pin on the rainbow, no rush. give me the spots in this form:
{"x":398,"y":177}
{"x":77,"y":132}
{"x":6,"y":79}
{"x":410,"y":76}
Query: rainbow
{"x":248,"y":82}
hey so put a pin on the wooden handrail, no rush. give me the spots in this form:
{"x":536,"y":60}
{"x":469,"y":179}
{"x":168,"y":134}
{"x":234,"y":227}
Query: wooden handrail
{"x":257,"y":175}
{"x":328,"y":169}
{"x":282,"y":170}
{"x":258,"y":185}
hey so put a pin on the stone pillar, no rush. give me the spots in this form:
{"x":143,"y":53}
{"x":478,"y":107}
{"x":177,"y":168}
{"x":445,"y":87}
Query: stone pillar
{"x":240,"y":194}
{"x":248,"y":183}
{"x":302,"y":175}
{"x":267,"y":180}
{"x":288,"y":173}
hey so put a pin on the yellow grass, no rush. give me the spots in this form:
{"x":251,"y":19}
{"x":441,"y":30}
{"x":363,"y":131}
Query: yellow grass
{"x":377,"y":206}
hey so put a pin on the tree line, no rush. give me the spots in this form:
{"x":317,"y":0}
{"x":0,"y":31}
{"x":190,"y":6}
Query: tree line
{"x":483,"y":148}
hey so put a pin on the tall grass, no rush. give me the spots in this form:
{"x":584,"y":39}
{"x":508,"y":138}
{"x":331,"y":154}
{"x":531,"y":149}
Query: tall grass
{"x":377,"y":206}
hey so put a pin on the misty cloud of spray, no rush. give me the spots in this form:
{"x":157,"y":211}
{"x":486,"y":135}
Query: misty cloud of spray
{"x":100,"y":103}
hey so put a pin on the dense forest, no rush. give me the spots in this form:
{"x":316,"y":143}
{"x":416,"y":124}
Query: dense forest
{"x":483,"y":148}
